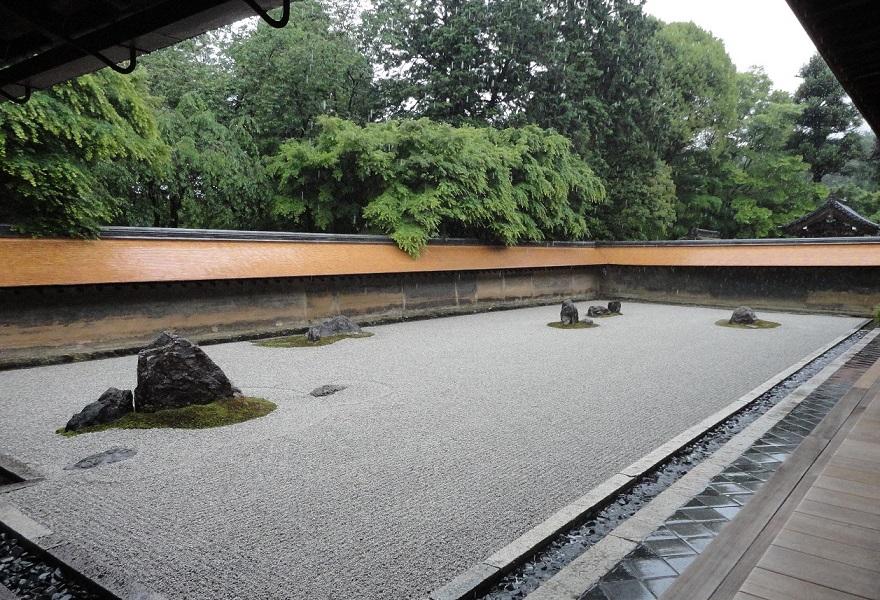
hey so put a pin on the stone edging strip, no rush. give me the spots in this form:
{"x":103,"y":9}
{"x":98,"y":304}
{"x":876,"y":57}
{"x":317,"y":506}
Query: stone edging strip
{"x":60,"y":551}
{"x":25,"y":475}
{"x":476,"y":579}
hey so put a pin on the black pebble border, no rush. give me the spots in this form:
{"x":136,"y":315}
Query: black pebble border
{"x":30,"y":576}
{"x":569,"y":545}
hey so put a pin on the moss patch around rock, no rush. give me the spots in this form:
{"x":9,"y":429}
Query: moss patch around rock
{"x":578,"y":325}
{"x":301,"y":341}
{"x":759,"y":324}
{"x":195,"y":416}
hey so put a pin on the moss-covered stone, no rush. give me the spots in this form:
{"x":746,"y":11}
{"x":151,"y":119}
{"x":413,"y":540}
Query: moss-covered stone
{"x":578,"y":325}
{"x":194,"y":416}
{"x":759,"y":324}
{"x":301,"y":341}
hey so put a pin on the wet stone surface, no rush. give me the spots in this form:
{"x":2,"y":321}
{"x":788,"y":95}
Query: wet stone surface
{"x":30,"y":576}
{"x":326,"y":390}
{"x":688,"y":532}
{"x":106,"y":457}
{"x":654,"y":565}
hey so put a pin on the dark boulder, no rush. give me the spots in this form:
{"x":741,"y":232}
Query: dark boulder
{"x":598,"y":311}
{"x":178,"y":374}
{"x":339,"y":325}
{"x":165,"y":338}
{"x":614,"y":307}
{"x":112,"y":405}
{"x":569,"y":313}
{"x":743,"y":316}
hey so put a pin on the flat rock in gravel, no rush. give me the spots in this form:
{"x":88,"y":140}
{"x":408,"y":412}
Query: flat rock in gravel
{"x":338,"y":325}
{"x":326,"y":390}
{"x":178,"y":374}
{"x":598,"y":311}
{"x":112,"y":405}
{"x":106,"y":457}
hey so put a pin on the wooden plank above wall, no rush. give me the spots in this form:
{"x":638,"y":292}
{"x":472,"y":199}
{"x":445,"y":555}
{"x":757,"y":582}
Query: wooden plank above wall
{"x":41,"y":262}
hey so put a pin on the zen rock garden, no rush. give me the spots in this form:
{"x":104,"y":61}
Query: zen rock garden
{"x":174,"y":378}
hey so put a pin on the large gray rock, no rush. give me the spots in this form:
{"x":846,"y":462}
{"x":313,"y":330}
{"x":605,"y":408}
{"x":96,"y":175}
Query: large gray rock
{"x":112,"y":405}
{"x":336,"y":326}
{"x":598,"y":311}
{"x":743,"y":316}
{"x":569,"y":313}
{"x":614,"y":307}
{"x":178,"y":374}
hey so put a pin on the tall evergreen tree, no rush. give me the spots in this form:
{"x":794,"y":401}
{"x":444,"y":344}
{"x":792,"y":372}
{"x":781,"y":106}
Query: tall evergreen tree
{"x":825,"y":134}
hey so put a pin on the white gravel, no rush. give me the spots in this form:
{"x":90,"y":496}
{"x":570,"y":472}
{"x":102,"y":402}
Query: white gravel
{"x":454,"y":436}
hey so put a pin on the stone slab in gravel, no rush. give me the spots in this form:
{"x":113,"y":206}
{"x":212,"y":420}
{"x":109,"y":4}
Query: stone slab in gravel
{"x":453,"y":437}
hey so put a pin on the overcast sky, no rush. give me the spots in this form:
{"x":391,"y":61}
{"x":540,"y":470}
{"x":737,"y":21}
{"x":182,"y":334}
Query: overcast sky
{"x":755,"y":32}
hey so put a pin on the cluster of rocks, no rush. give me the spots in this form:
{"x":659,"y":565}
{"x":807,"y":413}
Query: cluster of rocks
{"x":743,"y":315}
{"x":171,"y":372}
{"x":29,"y":575}
{"x":569,"y":313}
{"x":613,"y":308}
{"x":339,"y":325}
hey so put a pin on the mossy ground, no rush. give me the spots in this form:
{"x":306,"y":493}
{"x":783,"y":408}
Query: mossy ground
{"x":301,"y":341}
{"x":759,"y":324}
{"x":607,"y":316}
{"x":195,"y":416}
{"x":578,"y":325}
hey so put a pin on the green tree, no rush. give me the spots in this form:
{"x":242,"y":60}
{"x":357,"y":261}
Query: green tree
{"x":699,"y":85}
{"x":51,"y":146}
{"x":600,"y":86}
{"x":457,"y":61}
{"x":199,"y":65}
{"x":214,"y":179}
{"x":755,"y":184}
{"x":417,"y":179}
{"x":284,"y":78}
{"x":825,"y":134}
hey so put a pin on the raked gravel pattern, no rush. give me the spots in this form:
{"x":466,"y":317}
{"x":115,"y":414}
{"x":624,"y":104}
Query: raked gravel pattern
{"x":453,"y":437}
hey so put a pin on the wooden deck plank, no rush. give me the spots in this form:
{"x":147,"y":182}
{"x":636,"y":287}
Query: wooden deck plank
{"x":839,"y":532}
{"x":862,"y":450}
{"x":829,"y":550}
{"x":850,"y":487}
{"x":837,"y":513}
{"x":828,"y":573}
{"x":774,"y":586}
{"x":844,"y":500}
{"x":854,"y":475}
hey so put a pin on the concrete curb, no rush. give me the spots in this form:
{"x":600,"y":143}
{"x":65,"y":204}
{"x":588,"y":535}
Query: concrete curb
{"x":71,"y":558}
{"x":588,"y":568}
{"x":478,"y":578}
{"x":26,"y":476}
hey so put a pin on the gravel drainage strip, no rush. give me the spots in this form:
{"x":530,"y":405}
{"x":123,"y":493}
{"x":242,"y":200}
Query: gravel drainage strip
{"x":494,"y":582}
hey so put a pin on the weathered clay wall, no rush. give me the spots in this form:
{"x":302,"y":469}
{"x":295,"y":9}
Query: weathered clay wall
{"x":836,"y":290}
{"x":57,"y":322}
{"x":63,"y":299}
